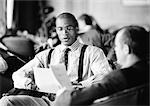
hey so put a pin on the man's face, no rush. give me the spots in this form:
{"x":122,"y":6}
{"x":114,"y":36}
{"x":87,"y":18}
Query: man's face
{"x":66,"y":31}
{"x":119,"y":48}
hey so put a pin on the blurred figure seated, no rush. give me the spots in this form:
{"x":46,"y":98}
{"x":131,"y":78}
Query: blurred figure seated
{"x":89,"y":31}
{"x":53,"y":39}
{"x":9,"y":63}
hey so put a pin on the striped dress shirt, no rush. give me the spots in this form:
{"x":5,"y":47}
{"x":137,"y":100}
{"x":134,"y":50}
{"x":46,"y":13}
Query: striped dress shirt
{"x":94,"y":63}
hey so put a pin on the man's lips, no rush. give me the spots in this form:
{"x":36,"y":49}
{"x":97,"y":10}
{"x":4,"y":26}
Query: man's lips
{"x":65,"y":39}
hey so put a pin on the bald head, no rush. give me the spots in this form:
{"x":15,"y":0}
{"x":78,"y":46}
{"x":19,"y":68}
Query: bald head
{"x":137,"y":38}
{"x":67,"y":28}
{"x":68,"y":16}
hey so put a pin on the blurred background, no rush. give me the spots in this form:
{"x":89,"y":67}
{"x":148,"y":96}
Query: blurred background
{"x":29,"y":14}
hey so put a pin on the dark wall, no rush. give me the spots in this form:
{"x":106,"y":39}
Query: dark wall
{"x":27,"y":15}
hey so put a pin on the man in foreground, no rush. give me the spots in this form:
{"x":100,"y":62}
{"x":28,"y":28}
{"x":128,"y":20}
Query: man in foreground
{"x":131,"y":47}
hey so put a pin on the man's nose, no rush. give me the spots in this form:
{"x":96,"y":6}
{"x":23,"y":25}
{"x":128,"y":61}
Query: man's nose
{"x":64,"y":31}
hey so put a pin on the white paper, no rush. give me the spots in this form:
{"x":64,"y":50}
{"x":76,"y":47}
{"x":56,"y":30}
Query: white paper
{"x":61,"y":75}
{"x":51,"y":79}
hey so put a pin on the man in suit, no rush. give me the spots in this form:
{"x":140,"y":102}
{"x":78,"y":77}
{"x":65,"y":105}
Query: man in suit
{"x":131,"y":47}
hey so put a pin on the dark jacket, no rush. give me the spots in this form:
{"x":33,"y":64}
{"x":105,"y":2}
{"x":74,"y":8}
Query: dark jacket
{"x":118,"y":80}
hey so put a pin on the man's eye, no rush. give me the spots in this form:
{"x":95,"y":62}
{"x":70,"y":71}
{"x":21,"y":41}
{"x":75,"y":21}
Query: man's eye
{"x":59,"y":28}
{"x":69,"y":28}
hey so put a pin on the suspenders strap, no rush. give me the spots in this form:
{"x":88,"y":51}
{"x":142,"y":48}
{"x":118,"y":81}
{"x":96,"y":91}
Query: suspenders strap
{"x":80,"y":68}
{"x":49,"y":56}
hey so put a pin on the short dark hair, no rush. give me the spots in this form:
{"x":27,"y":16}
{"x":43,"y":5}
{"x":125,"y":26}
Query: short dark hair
{"x":86,"y":18}
{"x":70,"y":16}
{"x":137,"y":38}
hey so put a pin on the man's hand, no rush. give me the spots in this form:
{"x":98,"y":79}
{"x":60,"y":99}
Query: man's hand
{"x":77,"y":85}
{"x":29,"y":84}
{"x":63,"y":97}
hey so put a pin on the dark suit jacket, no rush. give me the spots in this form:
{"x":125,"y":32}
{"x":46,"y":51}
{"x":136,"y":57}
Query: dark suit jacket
{"x":116,"y":81}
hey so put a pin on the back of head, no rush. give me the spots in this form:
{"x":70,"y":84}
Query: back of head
{"x":89,"y":20}
{"x":86,"y":18}
{"x":69,"y":16}
{"x":137,"y":38}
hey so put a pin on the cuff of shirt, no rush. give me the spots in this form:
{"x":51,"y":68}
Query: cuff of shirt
{"x":88,"y":82}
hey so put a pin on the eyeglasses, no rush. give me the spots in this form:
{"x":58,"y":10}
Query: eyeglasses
{"x":67,"y":28}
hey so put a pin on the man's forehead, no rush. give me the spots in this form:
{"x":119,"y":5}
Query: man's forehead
{"x":121,"y":34}
{"x":64,"y":21}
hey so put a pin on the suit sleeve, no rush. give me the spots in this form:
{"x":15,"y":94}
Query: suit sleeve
{"x":110,"y":84}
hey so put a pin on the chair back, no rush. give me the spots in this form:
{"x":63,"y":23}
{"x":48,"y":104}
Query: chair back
{"x":134,"y":96}
{"x":19,"y":46}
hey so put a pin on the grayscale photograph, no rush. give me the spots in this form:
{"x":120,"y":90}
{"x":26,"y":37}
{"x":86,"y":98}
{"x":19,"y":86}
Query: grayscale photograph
{"x":74,"y":52}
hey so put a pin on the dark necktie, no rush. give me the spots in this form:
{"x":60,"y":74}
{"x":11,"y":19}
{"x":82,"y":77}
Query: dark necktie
{"x":66,"y":57}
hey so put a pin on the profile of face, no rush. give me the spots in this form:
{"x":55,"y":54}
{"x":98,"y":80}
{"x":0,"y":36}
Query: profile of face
{"x":120,"y":48}
{"x":66,"y":30}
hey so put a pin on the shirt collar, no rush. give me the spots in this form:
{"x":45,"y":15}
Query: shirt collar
{"x":74,"y":46}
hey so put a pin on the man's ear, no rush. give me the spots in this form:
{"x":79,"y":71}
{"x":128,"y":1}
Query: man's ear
{"x":77,"y":29}
{"x":126,"y":49}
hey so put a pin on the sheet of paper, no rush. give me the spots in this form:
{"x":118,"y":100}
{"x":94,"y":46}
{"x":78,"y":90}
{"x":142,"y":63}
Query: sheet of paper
{"x":45,"y":80}
{"x":61,"y":75}
{"x":52,"y":79}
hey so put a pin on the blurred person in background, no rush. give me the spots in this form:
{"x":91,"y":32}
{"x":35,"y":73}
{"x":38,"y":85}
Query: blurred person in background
{"x":89,"y":31}
{"x":50,"y":30}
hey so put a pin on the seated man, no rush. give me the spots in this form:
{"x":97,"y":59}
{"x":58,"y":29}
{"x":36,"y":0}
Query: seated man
{"x":94,"y":61}
{"x":131,"y":47}
{"x":132,"y":50}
